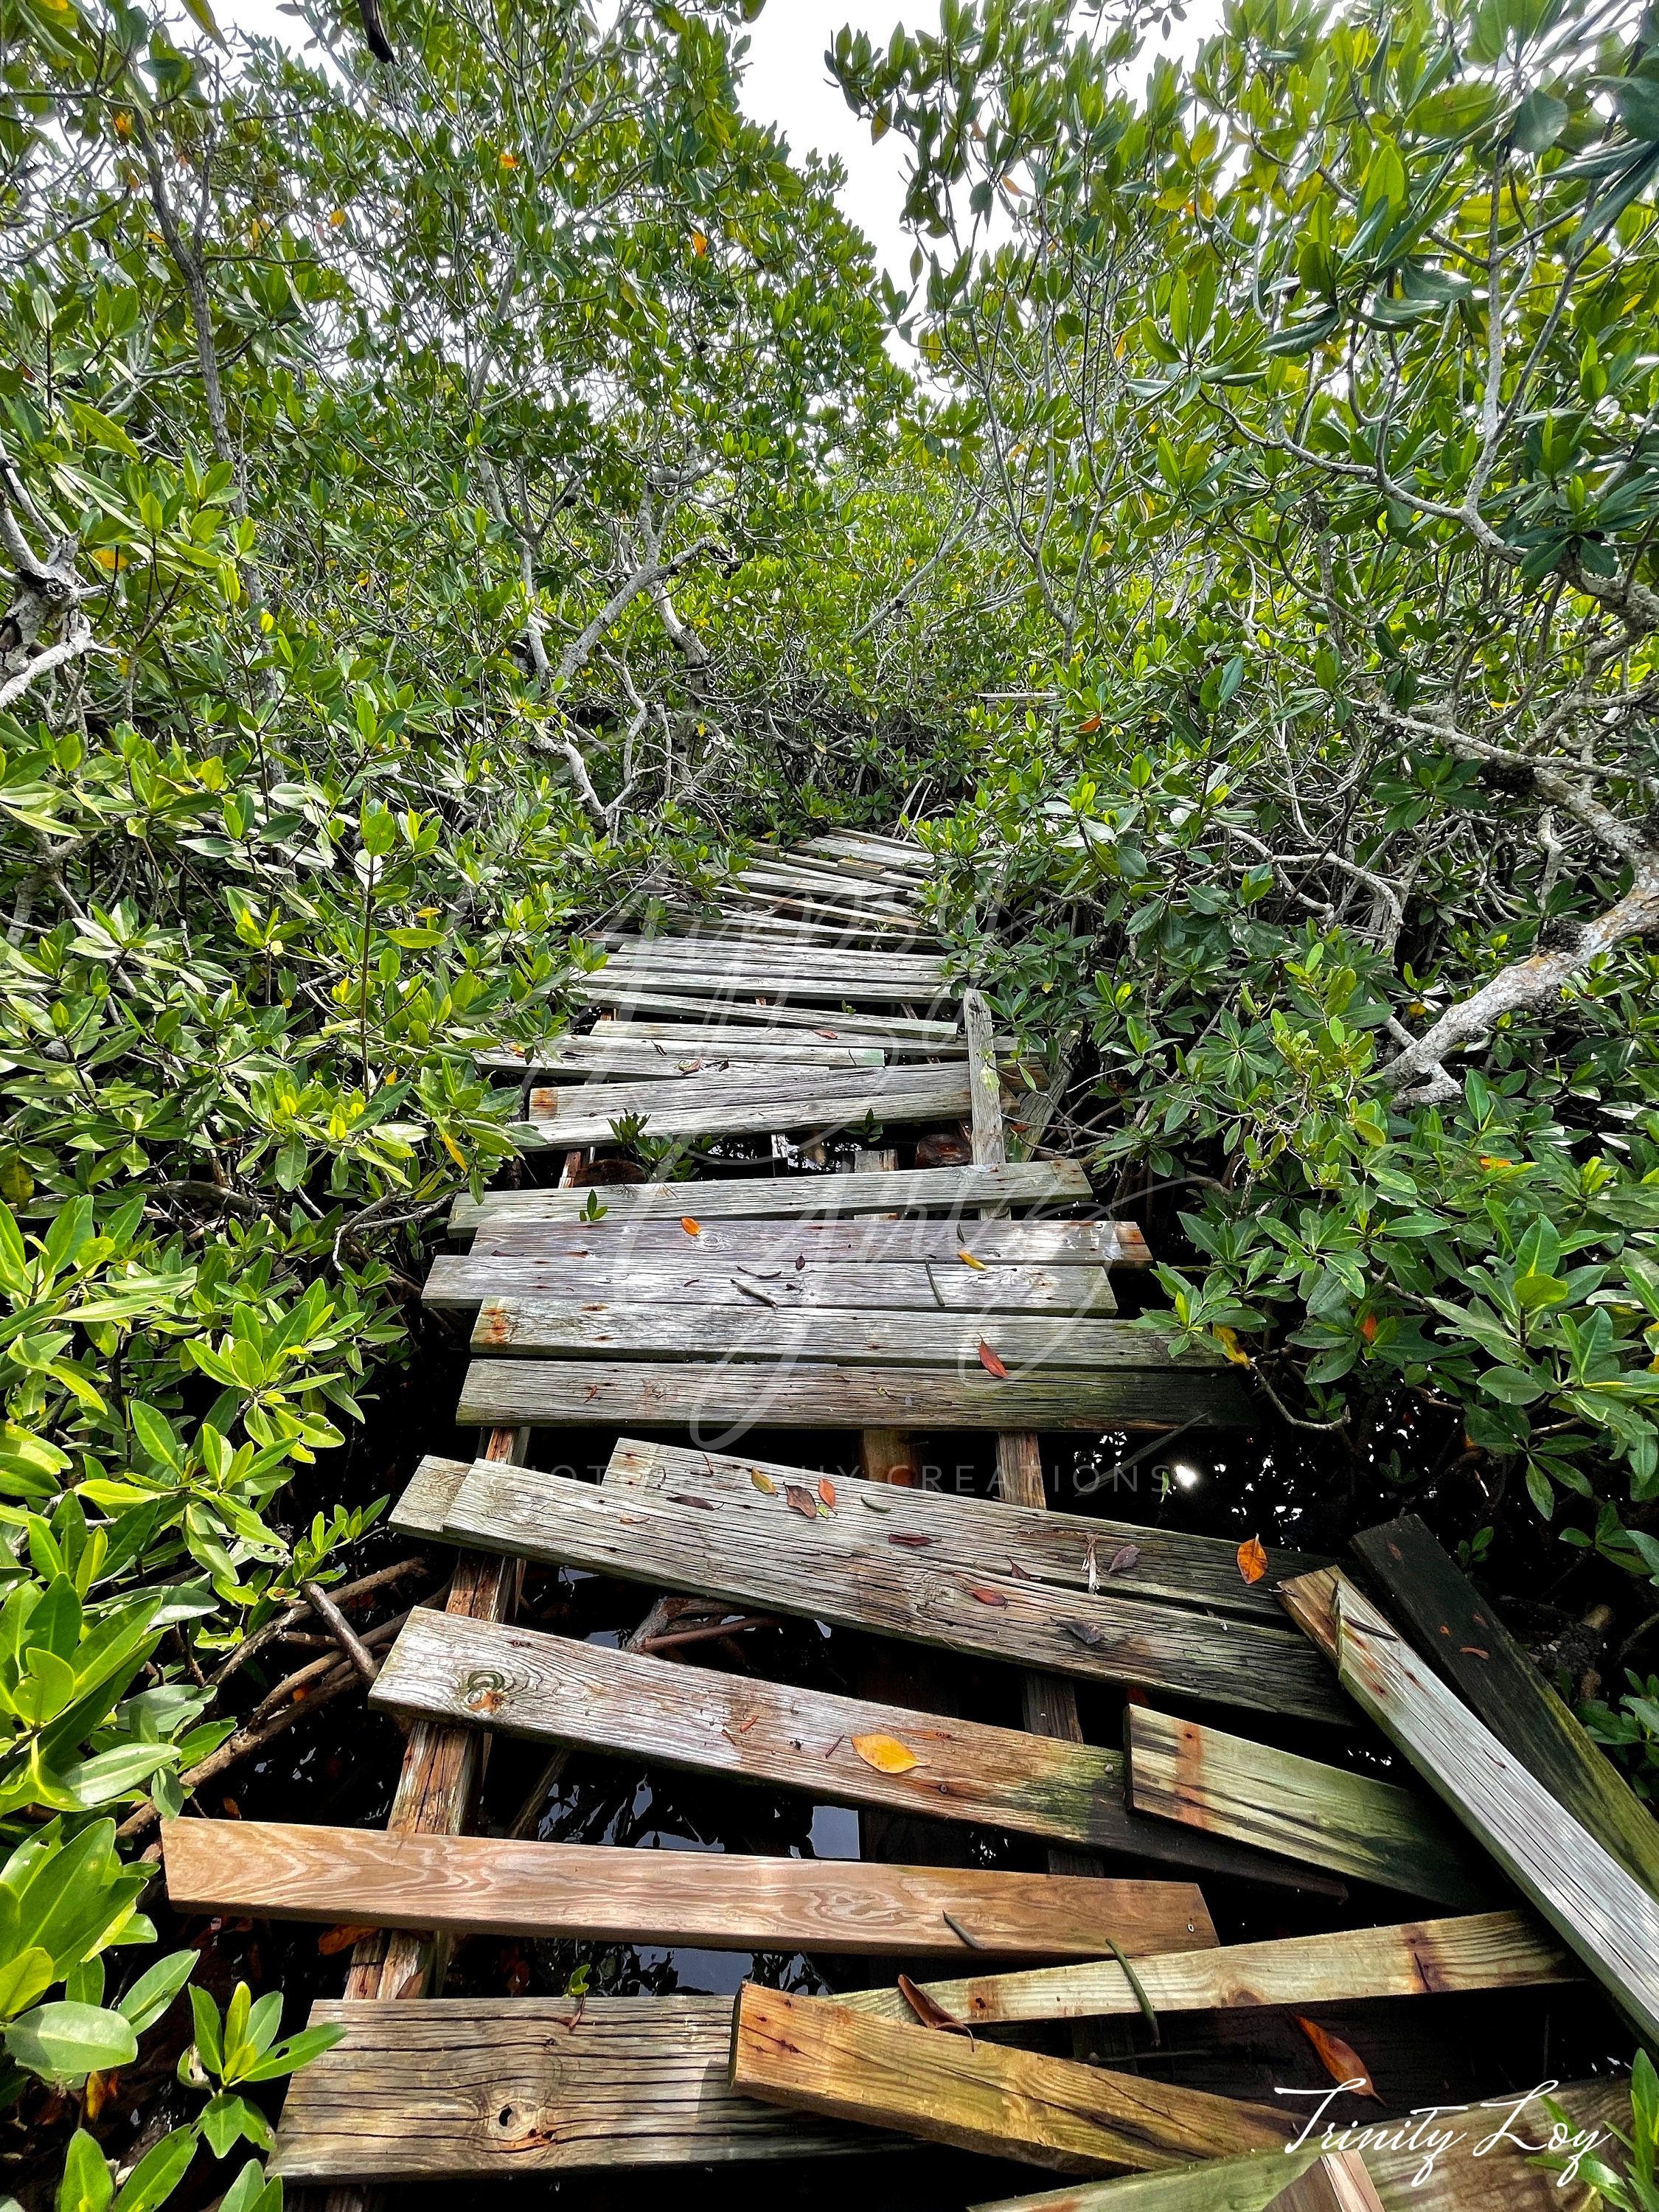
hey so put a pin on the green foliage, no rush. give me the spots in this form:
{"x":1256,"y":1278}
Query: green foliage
{"x":1636,"y":2189}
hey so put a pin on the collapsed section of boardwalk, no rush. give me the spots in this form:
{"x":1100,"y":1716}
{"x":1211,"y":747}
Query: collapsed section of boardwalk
{"x":973,"y":1294}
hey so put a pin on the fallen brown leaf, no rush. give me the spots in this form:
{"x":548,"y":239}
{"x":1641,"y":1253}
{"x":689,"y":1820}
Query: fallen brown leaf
{"x":1252,"y":1560}
{"x":1122,"y":1561}
{"x":800,"y":1501}
{"x":991,"y":1363}
{"x":986,"y":1596}
{"x":827,"y":1492}
{"x":912,"y":1543}
{"x":929,"y":2012}
{"x":341,"y":1939}
{"x":1339,"y":2060}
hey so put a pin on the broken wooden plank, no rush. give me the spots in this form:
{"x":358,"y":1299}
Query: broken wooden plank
{"x":1459,"y":1632}
{"x":472,"y":1885}
{"x":1601,"y":1911}
{"x":545,"y":1393}
{"x":781,"y":978}
{"x":718,"y":1005}
{"x":555,"y":1690}
{"x":1487,"y":2168}
{"x":617,"y":1278}
{"x":971,"y":1536}
{"x":592,"y":1058}
{"x":1420,"y":1958}
{"x":1340,"y":2182}
{"x":694,"y":1107}
{"x":853,"y":1571}
{"x":756,"y":964}
{"x":937,"y":1190}
{"x":467,"y":2089}
{"x":690,"y":1039}
{"x":547,"y":1328}
{"x":812,"y":2056}
{"x":864,"y":1242}
{"x":1354,"y":1824}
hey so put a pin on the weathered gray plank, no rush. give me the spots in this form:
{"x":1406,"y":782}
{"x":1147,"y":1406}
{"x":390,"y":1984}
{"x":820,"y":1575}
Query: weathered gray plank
{"x":812,"y":2056}
{"x":491,"y":1885}
{"x":849,"y":1568}
{"x":469,"y":2088}
{"x":1607,"y":1917}
{"x":773,"y":1244}
{"x":727,"y":1401}
{"x":690,"y":1107}
{"x":1056,"y":1552}
{"x":690,"y":1039}
{"x":1025,"y":1343}
{"x":915,"y":969}
{"x":594,"y":1057}
{"x":935,"y":1190}
{"x":715,"y":1003}
{"x":456,"y":1281}
{"x":1356,"y":1825}
{"x":678,"y":990}
{"x":1421,"y":1958}
{"x":555,"y":1690}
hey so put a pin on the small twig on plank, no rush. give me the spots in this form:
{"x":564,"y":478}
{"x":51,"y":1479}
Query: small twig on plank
{"x":341,"y":1630}
{"x":709,"y":1632}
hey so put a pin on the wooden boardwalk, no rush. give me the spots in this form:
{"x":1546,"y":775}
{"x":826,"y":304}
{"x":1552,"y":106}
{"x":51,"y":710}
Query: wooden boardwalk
{"x":807,"y":1289}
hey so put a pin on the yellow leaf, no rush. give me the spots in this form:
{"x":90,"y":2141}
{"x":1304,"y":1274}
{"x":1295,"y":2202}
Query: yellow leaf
{"x":1228,"y":1339}
{"x":698,"y":243}
{"x":453,"y":1149}
{"x":1252,"y":1560}
{"x":509,"y":160}
{"x":885,"y":1754}
{"x":762,"y":1482}
{"x":336,"y":218}
{"x":969,"y":1261}
{"x":691,"y":1228}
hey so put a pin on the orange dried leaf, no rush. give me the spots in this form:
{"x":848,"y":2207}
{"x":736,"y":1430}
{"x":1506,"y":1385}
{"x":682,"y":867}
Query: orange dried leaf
{"x":991,"y":1363}
{"x":929,"y":2011}
{"x":340,"y":1939}
{"x":1252,"y":1560}
{"x":885,"y":1754}
{"x":969,"y":1261}
{"x":986,"y":1596}
{"x":827,"y":1492}
{"x":763,"y":1483}
{"x":1339,"y":2060}
{"x":691,"y":1228}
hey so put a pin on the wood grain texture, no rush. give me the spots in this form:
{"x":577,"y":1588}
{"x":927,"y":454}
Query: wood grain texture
{"x":1338,"y":2183}
{"x":591,"y":1059}
{"x":688,"y":1039}
{"x":724,"y":1402}
{"x":475,"y":2089}
{"x":1465,"y":2178}
{"x":716,"y":985}
{"x":555,"y":1690}
{"x":1458,"y":1632}
{"x":695,"y":1106}
{"x":769,"y":1244}
{"x":970,"y":1534}
{"x":933,"y":1191}
{"x":1601,"y":1911}
{"x":456,"y":1282}
{"x":815,"y":2056}
{"x":706,"y":1005}
{"x":904,"y":974}
{"x":846,"y":1569}
{"x":1416,"y":1959}
{"x":1370,"y":1830}
{"x":597,"y":1893}
{"x":1026,"y":1344}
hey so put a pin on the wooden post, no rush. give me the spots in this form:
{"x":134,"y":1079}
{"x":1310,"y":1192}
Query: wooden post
{"x":884,"y":1455}
{"x":434,"y":1793}
{"x":1049,"y":1704}
{"x":1339,"y":2183}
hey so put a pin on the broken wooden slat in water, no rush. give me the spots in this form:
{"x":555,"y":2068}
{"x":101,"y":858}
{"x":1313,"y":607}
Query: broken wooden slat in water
{"x":465,"y":2088}
{"x":555,"y":1690}
{"x":1370,"y":1830}
{"x":1406,"y":2171}
{"x":1025,"y":1343}
{"x":1421,"y":1958}
{"x":848,"y":1570}
{"x":865,"y":1243}
{"x":693,"y":1106}
{"x":935,"y":1190}
{"x":724,"y":1401}
{"x":983,"y":1535}
{"x":812,"y":2056}
{"x":468,"y":1885}
{"x":1460,"y":1633}
{"x":1601,"y":1911}
{"x":458,"y":1280}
